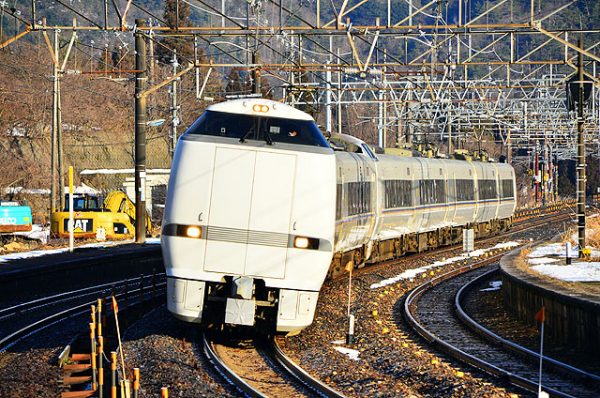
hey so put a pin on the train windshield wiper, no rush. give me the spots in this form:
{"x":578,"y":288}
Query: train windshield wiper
{"x":268,"y":138}
{"x":256,"y":128}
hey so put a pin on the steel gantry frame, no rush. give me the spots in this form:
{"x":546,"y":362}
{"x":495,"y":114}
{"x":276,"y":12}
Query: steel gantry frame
{"x":437,"y":69}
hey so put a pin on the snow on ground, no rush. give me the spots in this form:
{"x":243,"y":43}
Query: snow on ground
{"x":576,"y":272}
{"x":542,"y":260}
{"x":412,"y":273}
{"x":37,"y":233}
{"x":494,"y":285}
{"x":553,"y":249}
{"x":559,"y":250}
{"x":352,"y":354}
{"x":39,"y":253}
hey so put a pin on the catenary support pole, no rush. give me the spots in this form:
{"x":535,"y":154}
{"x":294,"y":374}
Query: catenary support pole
{"x":174,"y":107}
{"x":580,"y":158}
{"x":140,"y":134}
{"x":54,"y":129}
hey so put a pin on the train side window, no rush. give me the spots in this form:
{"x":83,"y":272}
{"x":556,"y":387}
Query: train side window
{"x":451,"y":190}
{"x":465,"y":190}
{"x":507,"y":189}
{"x":398,"y":193}
{"x":359,"y":198}
{"x":433,"y":192}
{"x":369,"y":152}
{"x":487,"y":189}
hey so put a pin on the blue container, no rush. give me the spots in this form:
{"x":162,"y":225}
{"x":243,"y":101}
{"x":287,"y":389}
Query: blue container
{"x":14,"y":217}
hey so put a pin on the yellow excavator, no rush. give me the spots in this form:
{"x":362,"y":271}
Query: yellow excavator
{"x":114,"y":219}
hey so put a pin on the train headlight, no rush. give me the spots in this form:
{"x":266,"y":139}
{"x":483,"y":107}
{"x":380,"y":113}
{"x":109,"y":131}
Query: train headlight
{"x":302,"y":242}
{"x":186,"y":231}
{"x":193,"y":231}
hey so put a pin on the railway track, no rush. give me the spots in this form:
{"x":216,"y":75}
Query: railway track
{"x":24,"y":320}
{"x":263,"y":370}
{"x":431,"y":311}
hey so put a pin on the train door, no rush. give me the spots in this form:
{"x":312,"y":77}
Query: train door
{"x":475,"y":175}
{"x":270,"y":212}
{"x":425,"y":211}
{"x":249,"y":220}
{"x":230,"y":201}
{"x":496,"y":176}
{"x":450,"y":194}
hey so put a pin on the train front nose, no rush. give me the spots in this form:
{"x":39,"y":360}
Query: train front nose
{"x":261,"y":212}
{"x":250,"y":208}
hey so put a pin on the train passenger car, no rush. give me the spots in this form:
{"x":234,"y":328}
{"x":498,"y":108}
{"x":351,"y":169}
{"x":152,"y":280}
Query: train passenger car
{"x":248,"y":228}
{"x":421,"y":203}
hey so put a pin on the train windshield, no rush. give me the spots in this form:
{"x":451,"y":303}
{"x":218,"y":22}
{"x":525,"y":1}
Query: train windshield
{"x":249,"y":127}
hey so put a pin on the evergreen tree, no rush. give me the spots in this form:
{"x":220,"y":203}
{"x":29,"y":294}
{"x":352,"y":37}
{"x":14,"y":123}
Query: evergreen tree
{"x":184,"y":45}
{"x":234,"y":84}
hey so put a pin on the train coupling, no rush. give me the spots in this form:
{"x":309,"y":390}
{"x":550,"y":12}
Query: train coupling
{"x":240,"y":309}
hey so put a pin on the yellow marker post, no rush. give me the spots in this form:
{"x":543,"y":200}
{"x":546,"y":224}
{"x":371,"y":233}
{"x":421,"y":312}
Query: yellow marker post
{"x":71,"y":221}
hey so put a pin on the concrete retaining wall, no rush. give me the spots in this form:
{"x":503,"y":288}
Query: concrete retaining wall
{"x":572,"y":319}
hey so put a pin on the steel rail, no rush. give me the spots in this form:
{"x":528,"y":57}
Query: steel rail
{"x":507,"y":344}
{"x":71,"y":295}
{"x":41,"y":324}
{"x":300,"y":374}
{"x":457,"y":353}
{"x":229,"y":375}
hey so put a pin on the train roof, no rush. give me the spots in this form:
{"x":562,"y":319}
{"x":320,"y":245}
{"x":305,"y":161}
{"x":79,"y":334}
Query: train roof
{"x":260,"y":107}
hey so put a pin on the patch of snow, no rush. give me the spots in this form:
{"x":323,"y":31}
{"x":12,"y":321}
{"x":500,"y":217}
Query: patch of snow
{"x":576,"y":272}
{"x":542,"y":260}
{"x":153,"y":241}
{"x":553,"y":249}
{"x":37,"y":233}
{"x":494,"y":285}
{"x":121,"y":171}
{"x":39,"y":253}
{"x":338,"y":342}
{"x":352,"y":354}
{"x":412,"y":273}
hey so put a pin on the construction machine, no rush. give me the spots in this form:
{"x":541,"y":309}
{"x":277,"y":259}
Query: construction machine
{"x":113,"y":219}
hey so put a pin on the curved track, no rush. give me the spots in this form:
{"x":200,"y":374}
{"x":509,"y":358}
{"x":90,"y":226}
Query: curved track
{"x":430,"y":311}
{"x":26,"y":319}
{"x":461,"y":297}
{"x":263,"y":371}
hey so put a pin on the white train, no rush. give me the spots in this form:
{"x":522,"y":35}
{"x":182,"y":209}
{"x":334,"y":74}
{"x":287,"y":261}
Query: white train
{"x":260,"y":209}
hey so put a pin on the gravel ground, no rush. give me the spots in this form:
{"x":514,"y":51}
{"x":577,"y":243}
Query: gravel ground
{"x":33,"y":371}
{"x":168,"y":355}
{"x":392,"y":361}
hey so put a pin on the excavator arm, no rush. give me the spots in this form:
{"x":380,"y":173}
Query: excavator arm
{"x":119,"y":202}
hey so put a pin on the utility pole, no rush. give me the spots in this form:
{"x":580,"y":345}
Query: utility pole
{"x":449,"y":124}
{"x":140,"y":134}
{"x":339,"y":98}
{"x":580,"y":157}
{"x":59,"y":142}
{"x":328,"y":127}
{"x":255,"y":74}
{"x":54,"y":128}
{"x":174,"y":107}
